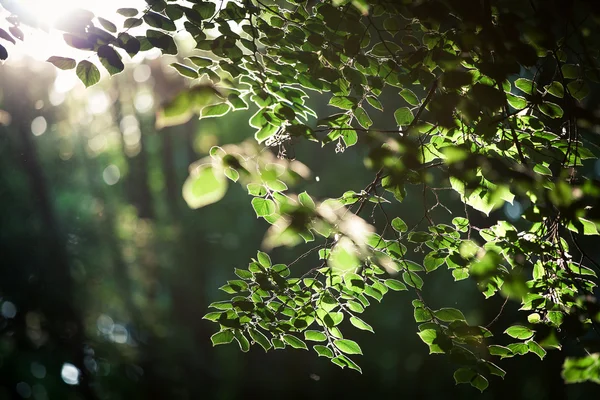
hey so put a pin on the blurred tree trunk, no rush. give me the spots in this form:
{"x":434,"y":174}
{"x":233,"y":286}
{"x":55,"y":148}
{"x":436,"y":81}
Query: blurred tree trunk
{"x":56,"y":290}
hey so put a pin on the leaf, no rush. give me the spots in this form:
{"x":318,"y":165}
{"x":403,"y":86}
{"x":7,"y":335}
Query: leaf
{"x":535,"y":348}
{"x":399,"y":225}
{"x":579,"y":89}
{"x":242,"y":341}
{"x":519,"y":332}
{"x":347,"y":346}
{"x":110,"y":59}
{"x":130,"y":23}
{"x":263,"y":207}
{"x":343,"y":102}
{"x":409,"y":96}
{"x":63,"y":63}
{"x":106,"y":24}
{"x":501,"y":351}
{"x":264,"y":259}
{"x":88,"y":73}
{"x":261,"y":339}
{"x":542,"y":170}
{"x":315,"y":336}
{"x":203,"y":187}
{"x":363,"y":118}
{"x":305,"y":199}
{"x":449,"y":315}
{"x":159,"y":21}
{"x":551,"y":109}
{"x":516,"y":102}
{"x":360,"y":324}
{"x":201,"y":62}
{"x":127,"y":12}
{"x":6,"y":36}
{"x":480,"y":383}
{"x":556,"y":89}
{"x":222,"y":337}
{"x":185,"y":70}
{"x":395,"y":285}
{"x":215,"y":110}
{"x":432,"y":261}
{"x":464,"y":375}
{"x":525,"y":85}
{"x":294,"y":342}
{"x":412,"y":279}
{"x":403,"y":116}
{"x":323,"y":351}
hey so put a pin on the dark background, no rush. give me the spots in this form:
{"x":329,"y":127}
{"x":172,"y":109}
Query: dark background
{"x":115,"y":279}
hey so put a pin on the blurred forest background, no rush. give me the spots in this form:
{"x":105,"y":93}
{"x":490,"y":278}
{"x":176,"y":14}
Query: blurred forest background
{"x":105,"y":272}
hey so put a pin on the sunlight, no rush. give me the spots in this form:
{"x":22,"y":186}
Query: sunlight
{"x":43,"y":42}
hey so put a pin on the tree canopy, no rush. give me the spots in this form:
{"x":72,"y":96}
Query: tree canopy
{"x":494,"y":101}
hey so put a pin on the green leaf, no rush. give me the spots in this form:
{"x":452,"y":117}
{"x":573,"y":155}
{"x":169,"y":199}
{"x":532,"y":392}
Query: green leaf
{"x":360,"y":324}
{"x":579,"y":89}
{"x":261,"y":339}
{"x":323,"y":351}
{"x":242,"y":341}
{"x":525,"y":85}
{"x":106,"y":24}
{"x":305,"y":199}
{"x":395,"y":285}
{"x":431,"y":337}
{"x":551,"y":109}
{"x":433,"y":261}
{"x":263,"y":207}
{"x":201,"y":62}
{"x":215,"y":110}
{"x":399,"y":225}
{"x":412,"y":279}
{"x":363,"y":118}
{"x":185,"y":70}
{"x":127,"y":12}
{"x":222,"y":337}
{"x":264,"y":259}
{"x":88,"y":73}
{"x":542,"y":170}
{"x":159,"y":21}
{"x":63,"y":63}
{"x":265,"y":132}
{"x":556,"y":89}
{"x":205,"y":9}
{"x":347,"y":346}
{"x":204,"y":186}
{"x":501,"y":351}
{"x":464,"y":375}
{"x":132,"y":23}
{"x":516,"y":102}
{"x":409,"y":97}
{"x":535,"y":348}
{"x":343,"y":102}
{"x":294,"y":342}
{"x":570,"y":71}
{"x":315,"y":336}
{"x":480,"y":382}
{"x":519,"y":332}
{"x":403,"y":116}
{"x":449,"y":315}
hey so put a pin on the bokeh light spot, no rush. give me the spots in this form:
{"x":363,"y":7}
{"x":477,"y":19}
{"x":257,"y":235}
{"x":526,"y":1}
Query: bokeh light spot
{"x":69,"y":374}
{"x":39,"y":125}
{"x":111,"y":175}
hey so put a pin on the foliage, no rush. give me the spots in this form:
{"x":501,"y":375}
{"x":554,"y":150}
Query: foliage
{"x":490,"y":100}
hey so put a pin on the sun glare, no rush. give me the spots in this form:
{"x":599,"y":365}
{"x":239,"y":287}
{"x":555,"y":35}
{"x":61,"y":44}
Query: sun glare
{"x":41,"y":44}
